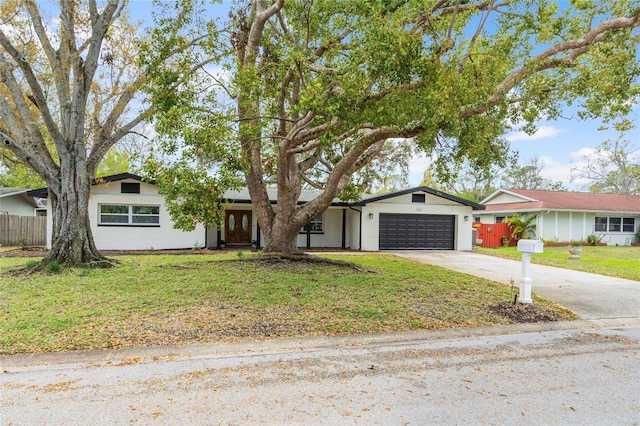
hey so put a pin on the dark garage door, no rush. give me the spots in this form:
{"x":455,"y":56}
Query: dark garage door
{"x":416,"y":231}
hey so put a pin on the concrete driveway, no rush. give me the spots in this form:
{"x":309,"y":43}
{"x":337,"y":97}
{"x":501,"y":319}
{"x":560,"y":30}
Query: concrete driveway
{"x":590,"y":296}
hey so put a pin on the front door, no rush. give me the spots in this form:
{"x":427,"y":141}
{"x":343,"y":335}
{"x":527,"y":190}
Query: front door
{"x":237,"y":227}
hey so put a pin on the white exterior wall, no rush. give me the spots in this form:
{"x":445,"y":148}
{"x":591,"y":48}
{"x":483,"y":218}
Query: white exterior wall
{"x":353,"y":228}
{"x":136,"y":237}
{"x":332,"y":235}
{"x":403,"y":205}
{"x":212,"y":237}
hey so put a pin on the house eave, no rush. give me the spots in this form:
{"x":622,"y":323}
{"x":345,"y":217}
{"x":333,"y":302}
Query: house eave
{"x":474,"y":206}
{"x":546,"y":211}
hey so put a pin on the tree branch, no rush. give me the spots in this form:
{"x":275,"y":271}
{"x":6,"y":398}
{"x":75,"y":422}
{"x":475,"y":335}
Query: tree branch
{"x":546,"y":60}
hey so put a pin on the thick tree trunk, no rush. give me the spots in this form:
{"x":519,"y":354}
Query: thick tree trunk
{"x":282,"y":237}
{"x":72,"y":240}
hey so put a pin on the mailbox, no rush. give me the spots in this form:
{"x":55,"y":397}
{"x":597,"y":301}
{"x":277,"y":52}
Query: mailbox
{"x":530,"y":246}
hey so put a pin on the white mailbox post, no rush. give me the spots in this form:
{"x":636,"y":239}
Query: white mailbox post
{"x":527,"y":247}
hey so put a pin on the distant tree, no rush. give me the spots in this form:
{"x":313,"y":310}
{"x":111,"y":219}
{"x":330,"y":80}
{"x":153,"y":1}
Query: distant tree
{"x":15,"y":174}
{"x":387,"y":172}
{"x":613,"y":168}
{"x":529,"y":176}
{"x":114,"y":162}
{"x":474,"y":183}
{"x":126,"y":156}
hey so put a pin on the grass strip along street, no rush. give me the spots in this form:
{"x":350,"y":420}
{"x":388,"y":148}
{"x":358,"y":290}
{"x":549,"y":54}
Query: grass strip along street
{"x":167,"y":300}
{"x":621,"y":262}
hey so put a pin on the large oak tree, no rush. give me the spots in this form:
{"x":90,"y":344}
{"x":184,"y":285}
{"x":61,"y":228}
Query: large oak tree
{"x":317,"y":84}
{"x":67,"y":87}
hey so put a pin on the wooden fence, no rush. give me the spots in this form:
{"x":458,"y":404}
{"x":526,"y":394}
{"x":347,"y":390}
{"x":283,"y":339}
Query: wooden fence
{"x":23,"y":231}
{"x":491,"y":234}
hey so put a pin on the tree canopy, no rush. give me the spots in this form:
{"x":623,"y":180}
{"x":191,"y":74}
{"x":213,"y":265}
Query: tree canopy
{"x":311,"y":84}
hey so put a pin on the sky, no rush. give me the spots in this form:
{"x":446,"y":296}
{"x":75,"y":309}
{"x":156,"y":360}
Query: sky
{"x":560,"y":145}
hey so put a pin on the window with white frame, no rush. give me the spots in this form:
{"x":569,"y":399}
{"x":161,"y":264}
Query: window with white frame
{"x":129,"y":215}
{"x":628,"y":224}
{"x":615,"y":224}
{"x":316,"y":226}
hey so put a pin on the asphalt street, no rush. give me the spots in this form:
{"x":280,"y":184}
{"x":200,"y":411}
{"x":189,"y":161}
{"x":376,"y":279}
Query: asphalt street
{"x":574,"y":376}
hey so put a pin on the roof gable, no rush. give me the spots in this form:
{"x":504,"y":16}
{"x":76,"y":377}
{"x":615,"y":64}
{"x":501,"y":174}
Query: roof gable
{"x":509,"y":194}
{"x":424,"y":189}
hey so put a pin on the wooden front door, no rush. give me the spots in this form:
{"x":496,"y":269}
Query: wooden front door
{"x":237,"y":227}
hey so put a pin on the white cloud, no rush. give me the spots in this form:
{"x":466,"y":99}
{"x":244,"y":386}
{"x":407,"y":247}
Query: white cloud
{"x":543,"y":132}
{"x":580,"y":154}
{"x":555,"y":171}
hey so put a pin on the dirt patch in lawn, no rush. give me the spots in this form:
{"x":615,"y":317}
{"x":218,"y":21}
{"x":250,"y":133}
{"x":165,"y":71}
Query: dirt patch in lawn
{"x":525,"y":313}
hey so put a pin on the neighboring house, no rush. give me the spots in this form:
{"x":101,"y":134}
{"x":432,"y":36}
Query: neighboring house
{"x":16,"y":202}
{"x":129,"y":214}
{"x":566,"y":216}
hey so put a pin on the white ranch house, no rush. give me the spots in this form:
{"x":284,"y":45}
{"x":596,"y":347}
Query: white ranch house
{"x":127,"y":213}
{"x":566,"y":216}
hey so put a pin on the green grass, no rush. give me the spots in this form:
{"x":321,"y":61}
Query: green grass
{"x":153,"y":300}
{"x":622,"y":262}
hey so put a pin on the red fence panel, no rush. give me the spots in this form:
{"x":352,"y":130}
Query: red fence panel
{"x":491,"y":234}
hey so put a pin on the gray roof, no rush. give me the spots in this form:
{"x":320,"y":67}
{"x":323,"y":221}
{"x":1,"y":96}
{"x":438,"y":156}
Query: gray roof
{"x":11,"y":191}
{"x":242,"y":196}
{"x":22,"y":193}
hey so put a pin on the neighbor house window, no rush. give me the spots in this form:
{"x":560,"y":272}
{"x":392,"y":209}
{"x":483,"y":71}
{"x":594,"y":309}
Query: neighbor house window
{"x":628,"y":224}
{"x":129,"y":215}
{"x":316,"y":226}
{"x":499,"y":219}
{"x":615,"y":224}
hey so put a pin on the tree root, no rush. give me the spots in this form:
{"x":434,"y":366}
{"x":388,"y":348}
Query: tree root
{"x":293,"y":258}
{"x":44,"y":267}
{"x":101,"y":264}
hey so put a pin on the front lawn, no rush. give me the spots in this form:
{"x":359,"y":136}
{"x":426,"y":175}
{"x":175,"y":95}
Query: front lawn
{"x":622,"y":262}
{"x":160,"y":299}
